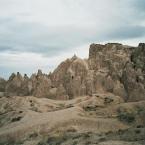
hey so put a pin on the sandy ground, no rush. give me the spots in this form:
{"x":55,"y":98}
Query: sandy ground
{"x":28,"y":120}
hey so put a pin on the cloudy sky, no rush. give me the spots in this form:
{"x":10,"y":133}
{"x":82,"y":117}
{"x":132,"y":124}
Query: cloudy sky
{"x":41,"y":33}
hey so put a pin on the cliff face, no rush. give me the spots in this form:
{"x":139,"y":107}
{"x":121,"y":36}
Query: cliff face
{"x":2,"y":86}
{"x":120,"y":69}
{"x":37,"y":85}
{"x":111,"y":68}
{"x":71,"y":75}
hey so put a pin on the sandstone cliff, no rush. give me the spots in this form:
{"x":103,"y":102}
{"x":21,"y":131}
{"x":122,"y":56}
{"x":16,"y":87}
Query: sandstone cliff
{"x":112,"y":67}
{"x":2,"y":86}
{"x":111,"y":111}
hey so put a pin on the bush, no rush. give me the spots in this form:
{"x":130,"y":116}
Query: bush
{"x":108,"y":100}
{"x":137,"y":131}
{"x":90,"y":108}
{"x":139,"y":126}
{"x":61,"y":105}
{"x":126,"y":117}
{"x":16,"y":119}
{"x":33,"y":135}
{"x":102,"y":139}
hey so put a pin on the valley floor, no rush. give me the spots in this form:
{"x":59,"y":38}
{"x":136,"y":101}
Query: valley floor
{"x":101,"y":119}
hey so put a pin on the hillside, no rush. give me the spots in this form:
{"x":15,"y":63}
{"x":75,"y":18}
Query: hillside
{"x":94,"y":101}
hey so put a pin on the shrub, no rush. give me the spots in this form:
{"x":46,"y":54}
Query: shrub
{"x":126,"y":117}
{"x":139,"y":126}
{"x":89,"y":108}
{"x":137,"y":131}
{"x":16,"y":119}
{"x":71,"y":130}
{"x":107,"y":100}
{"x":69,"y":106}
{"x":56,"y":140}
{"x":61,"y":105}
{"x":33,"y":135}
{"x":102,"y":139}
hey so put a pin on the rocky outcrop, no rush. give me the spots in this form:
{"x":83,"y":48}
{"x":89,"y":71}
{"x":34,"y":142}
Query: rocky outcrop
{"x":41,"y":84}
{"x":119,"y":69}
{"x":2,"y":84}
{"x":112,"y":67}
{"x":14,"y":85}
{"x":133,"y":76}
{"x":71,"y":76}
{"x":37,"y":85}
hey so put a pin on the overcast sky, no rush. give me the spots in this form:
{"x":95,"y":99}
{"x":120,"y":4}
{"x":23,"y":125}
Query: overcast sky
{"x":41,"y":33}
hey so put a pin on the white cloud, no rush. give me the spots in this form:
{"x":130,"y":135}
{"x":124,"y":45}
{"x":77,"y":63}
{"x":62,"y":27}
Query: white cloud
{"x":26,"y":62}
{"x":45,"y":32}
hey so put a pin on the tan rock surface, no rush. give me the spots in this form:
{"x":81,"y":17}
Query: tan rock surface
{"x":112,"y":67}
{"x":29,"y":119}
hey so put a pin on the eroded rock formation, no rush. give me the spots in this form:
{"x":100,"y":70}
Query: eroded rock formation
{"x":2,"y":86}
{"x":112,"y":67}
{"x":119,"y":69}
